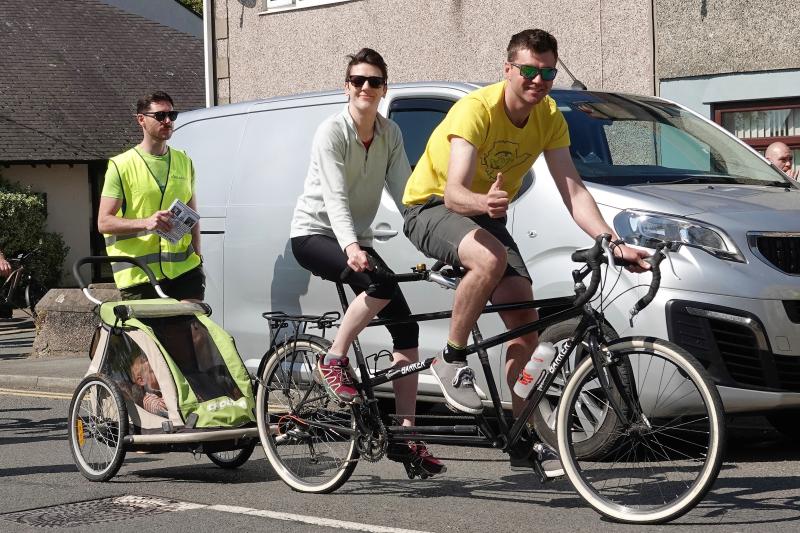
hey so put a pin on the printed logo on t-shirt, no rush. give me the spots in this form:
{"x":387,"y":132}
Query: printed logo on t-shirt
{"x":501,"y":157}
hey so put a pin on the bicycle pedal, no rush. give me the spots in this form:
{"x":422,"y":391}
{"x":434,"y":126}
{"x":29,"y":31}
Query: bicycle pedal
{"x":537,"y":468}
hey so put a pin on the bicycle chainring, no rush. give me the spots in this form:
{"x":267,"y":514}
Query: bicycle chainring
{"x":372,"y":445}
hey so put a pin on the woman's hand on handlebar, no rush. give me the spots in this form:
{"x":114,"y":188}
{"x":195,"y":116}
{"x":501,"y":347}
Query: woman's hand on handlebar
{"x":357,"y":259}
{"x":634,"y":256}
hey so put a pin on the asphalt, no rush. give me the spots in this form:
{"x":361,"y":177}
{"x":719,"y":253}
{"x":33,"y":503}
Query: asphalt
{"x":20,"y":370}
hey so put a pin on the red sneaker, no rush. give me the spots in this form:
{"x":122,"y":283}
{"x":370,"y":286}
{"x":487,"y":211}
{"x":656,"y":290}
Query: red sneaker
{"x":418,"y":454}
{"x":337,"y":379}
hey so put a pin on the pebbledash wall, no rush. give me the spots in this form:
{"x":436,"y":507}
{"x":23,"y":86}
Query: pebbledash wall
{"x":716,"y":52}
{"x":263,"y":51}
{"x":674,"y":48}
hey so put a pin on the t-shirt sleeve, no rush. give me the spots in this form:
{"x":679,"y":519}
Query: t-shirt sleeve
{"x":468,"y":119}
{"x":559,"y":132}
{"x":112,"y":184}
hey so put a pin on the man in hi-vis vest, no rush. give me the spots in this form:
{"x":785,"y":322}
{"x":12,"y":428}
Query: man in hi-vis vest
{"x":140,"y":185}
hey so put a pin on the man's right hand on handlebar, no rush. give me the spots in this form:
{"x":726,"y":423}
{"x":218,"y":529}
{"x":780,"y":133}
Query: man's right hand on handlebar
{"x":357,"y":259}
{"x":634,"y":256}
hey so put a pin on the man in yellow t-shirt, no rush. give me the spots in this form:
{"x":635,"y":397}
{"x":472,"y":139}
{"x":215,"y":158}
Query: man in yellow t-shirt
{"x":457,"y":197}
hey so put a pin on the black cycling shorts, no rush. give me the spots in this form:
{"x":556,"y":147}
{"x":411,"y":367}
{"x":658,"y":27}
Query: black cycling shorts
{"x":322,"y":256}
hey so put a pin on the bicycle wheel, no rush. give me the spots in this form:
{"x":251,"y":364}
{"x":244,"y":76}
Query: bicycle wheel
{"x":98,"y":421}
{"x":308,"y":439}
{"x":664,"y":460}
{"x":33,"y":293}
{"x":232,"y":458}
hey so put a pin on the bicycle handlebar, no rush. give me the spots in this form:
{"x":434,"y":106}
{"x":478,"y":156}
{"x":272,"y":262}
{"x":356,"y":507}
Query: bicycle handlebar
{"x":593,"y":257}
{"x":94,"y":259}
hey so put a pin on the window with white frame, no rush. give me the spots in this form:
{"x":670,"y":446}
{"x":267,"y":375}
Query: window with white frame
{"x":283,"y":5}
{"x":761,"y":123}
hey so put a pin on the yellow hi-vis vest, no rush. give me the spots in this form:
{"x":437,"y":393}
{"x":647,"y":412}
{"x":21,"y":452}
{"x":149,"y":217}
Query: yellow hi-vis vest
{"x":142,"y":198}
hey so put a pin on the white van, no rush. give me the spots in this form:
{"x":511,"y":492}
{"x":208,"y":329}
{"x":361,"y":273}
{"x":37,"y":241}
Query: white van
{"x":731,"y":294}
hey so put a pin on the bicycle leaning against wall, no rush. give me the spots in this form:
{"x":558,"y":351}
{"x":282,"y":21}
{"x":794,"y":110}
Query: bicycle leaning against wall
{"x":20,"y":290}
{"x":659,"y":413}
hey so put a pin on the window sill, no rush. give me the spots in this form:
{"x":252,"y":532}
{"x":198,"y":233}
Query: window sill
{"x":299,"y":4}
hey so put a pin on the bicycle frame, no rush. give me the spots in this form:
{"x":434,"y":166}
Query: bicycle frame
{"x":507,"y":436}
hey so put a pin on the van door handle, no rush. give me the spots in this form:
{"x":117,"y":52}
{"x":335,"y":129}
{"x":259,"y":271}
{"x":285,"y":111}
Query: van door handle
{"x":383,"y":232}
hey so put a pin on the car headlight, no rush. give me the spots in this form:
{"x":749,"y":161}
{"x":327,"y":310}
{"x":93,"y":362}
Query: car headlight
{"x":648,"y":229}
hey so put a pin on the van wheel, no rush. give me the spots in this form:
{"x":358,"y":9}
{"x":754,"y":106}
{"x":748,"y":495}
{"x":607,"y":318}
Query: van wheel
{"x":786,"y":422}
{"x":544,"y":417}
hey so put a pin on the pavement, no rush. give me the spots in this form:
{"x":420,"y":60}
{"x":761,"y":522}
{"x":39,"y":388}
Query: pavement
{"x":20,"y":370}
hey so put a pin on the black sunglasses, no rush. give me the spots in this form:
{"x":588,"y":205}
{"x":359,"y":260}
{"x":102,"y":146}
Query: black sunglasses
{"x":161,"y":115}
{"x":376,"y":82}
{"x":529,"y":72}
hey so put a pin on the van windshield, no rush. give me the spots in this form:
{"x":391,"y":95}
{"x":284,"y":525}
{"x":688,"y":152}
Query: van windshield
{"x":633,"y":140}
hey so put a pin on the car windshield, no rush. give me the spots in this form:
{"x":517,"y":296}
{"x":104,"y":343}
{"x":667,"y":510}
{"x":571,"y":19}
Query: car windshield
{"x":622,"y":140}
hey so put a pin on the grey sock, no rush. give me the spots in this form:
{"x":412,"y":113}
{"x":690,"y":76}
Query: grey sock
{"x":329,"y":357}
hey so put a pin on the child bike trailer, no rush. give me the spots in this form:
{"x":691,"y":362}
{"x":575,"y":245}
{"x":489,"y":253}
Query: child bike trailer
{"x":163,"y":377}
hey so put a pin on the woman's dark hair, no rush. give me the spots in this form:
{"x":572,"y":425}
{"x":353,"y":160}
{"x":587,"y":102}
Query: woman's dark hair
{"x":369,"y":56}
{"x":538,"y":41}
{"x":143,"y":104}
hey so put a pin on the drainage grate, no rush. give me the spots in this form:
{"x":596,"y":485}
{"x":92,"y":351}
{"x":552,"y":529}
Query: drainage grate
{"x":97,"y":511}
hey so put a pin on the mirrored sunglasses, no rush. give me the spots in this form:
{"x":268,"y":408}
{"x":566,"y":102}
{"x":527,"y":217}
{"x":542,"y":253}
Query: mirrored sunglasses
{"x":529,"y":72}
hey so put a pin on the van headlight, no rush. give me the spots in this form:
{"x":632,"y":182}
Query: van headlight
{"x":648,"y":229}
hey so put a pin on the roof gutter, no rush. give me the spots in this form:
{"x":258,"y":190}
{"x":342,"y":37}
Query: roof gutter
{"x":208,"y":52}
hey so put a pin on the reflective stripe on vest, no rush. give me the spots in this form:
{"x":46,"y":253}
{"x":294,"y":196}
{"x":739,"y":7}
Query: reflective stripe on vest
{"x":143,"y":197}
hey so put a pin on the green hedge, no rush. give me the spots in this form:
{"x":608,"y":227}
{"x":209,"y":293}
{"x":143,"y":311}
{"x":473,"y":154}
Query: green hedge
{"x":23,"y":214}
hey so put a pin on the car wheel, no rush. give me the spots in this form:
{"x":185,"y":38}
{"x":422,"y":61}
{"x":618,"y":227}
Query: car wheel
{"x":544,"y":417}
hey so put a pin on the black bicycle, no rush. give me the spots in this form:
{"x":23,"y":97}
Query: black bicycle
{"x":658,"y":413}
{"x":20,"y":290}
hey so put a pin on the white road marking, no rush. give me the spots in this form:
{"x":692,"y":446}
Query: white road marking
{"x":36,"y":394}
{"x":313,"y":520}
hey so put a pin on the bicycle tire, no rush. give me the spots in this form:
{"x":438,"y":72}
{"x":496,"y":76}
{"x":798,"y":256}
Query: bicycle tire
{"x":232,"y":459}
{"x":308,"y":458}
{"x":33,"y":293}
{"x":98,"y":422}
{"x":663,"y":464}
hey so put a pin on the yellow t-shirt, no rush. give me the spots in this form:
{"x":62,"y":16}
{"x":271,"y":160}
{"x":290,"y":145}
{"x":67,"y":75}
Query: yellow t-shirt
{"x":480,"y":118}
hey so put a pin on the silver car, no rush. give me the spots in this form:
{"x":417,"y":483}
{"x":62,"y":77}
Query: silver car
{"x":730,"y":293}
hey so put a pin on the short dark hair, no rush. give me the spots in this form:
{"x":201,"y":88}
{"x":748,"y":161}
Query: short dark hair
{"x":536,"y":40}
{"x":143,"y":104}
{"x":369,"y":56}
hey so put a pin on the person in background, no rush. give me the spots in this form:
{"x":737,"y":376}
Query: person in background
{"x":140,"y":185}
{"x":5,"y":267}
{"x":781,"y":156}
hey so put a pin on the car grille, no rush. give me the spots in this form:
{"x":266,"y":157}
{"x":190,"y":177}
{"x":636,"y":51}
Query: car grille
{"x":781,"y":251}
{"x":732,"y":347}
{"x":788,"y":372}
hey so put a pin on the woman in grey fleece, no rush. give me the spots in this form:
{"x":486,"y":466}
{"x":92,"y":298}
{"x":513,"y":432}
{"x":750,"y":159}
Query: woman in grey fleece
{"x":354,"y":154}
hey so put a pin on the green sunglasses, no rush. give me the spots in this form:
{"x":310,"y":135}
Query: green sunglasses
{"x":529,"y":72}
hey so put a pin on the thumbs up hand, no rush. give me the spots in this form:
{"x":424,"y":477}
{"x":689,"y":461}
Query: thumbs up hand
{"x":497,"y":198}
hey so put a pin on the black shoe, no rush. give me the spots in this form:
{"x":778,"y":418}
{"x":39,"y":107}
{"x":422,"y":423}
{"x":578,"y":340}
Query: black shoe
{"x":543,"y":459}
